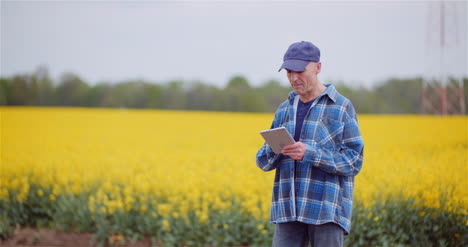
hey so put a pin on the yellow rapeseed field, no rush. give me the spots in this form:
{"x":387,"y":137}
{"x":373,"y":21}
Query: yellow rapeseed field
{"x":179,"y":162}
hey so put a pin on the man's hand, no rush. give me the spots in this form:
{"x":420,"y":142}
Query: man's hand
{"x":296,"y":150}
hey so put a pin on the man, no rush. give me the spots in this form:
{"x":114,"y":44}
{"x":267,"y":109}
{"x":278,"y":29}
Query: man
{"x":313,"y":187}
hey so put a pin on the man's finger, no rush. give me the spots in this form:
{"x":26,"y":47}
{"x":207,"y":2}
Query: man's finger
{"x":289,"y":146}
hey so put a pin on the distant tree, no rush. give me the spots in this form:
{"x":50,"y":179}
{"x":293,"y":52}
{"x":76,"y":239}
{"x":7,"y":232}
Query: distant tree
{"x":235,"y":90}
{"x":363,"y":99}
{"x":131,"y":94}
{"x":201,"y":97}
{"x":400,"y":95}
{"x":18,"y":90}
{"x":43,"y":86}
{"x":3,"y":91}
{"x":273,"y":94}
{"x":395,"y":95}
{"x":173,"y":96}
{"x":465,"y":88}
{"x":72,"y":91}
{"x":97,"y":95}
{"x":153,"y":94}
{"x":110,"y":97}
{"x":251,"y":101}
{"x":238,"y":83}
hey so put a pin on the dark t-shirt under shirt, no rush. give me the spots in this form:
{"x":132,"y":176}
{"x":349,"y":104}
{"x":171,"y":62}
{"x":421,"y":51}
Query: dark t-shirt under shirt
{"x":302,"y":109}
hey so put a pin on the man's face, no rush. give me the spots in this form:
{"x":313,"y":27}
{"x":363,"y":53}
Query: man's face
{"x":303,"y":82}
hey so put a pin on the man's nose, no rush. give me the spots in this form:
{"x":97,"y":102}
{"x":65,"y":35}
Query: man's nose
{"x":293,"y":76}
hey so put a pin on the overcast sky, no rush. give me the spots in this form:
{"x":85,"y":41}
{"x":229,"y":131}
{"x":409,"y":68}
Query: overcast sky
{"x":361,"y":42}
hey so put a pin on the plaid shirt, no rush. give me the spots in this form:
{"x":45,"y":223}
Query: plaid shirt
{"x":318,"y":189}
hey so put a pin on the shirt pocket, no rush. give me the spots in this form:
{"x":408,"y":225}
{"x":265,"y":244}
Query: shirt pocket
{"x":329,"y":133}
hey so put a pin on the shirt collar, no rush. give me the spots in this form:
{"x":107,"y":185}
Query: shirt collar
{"x":330,"y":92}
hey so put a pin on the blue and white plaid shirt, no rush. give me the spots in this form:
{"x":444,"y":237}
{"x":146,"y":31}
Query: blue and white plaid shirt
{"x":318,"y":189}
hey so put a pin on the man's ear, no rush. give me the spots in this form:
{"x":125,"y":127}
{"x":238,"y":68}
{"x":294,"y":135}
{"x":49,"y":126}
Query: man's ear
{"x":318,"y":67}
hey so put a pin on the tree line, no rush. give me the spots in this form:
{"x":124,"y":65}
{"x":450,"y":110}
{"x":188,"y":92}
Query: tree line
{"x":393,"y":96}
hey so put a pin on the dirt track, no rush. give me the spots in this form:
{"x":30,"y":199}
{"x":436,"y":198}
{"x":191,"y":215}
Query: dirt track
{"x":28,"y":237}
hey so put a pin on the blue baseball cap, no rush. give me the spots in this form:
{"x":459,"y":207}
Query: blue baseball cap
{"x":299,"y":55}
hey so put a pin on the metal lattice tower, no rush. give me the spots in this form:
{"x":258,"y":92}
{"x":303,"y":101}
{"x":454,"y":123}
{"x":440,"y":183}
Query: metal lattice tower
{"x":446,"y":58}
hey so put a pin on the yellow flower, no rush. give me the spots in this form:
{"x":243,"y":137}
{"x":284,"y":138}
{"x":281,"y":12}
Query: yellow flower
{"x":164,"y":209}
{"x":174,"y":173}
{"x":143,"y":209}
{"x":56,"y":190}
{"x":103,"y":210}
{"x":165,"y":225}
{"x":4,"y":194}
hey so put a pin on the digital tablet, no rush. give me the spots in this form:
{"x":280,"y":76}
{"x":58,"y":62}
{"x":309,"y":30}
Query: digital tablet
{"x":277,"y":138}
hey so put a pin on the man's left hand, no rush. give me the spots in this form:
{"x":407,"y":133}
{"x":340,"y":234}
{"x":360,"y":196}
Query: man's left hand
{"x":296,"y":150}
